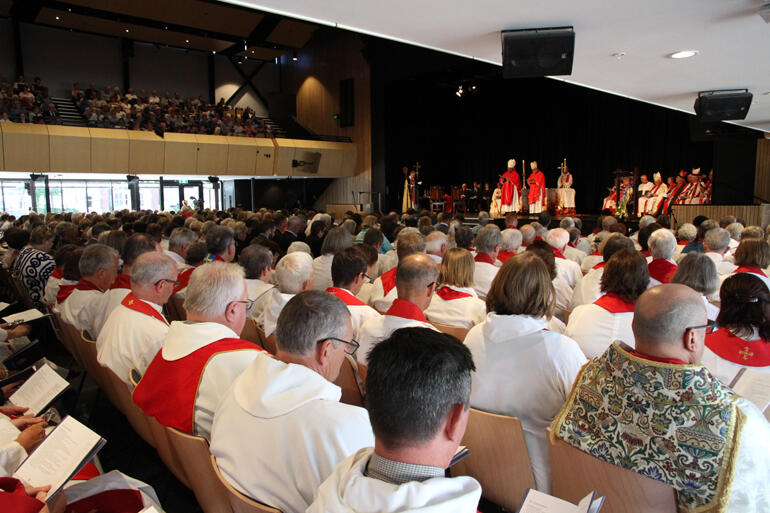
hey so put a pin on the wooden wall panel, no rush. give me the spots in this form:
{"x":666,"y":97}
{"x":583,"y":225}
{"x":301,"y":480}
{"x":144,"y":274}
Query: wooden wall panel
{"x":2,"y":156}
{"x":109,"y":150}
{"x":284,"y":153}
{"x":70,"y":148}
{"x":212,"y":154}
{"x":241,"y":155}
{"x":180,"y":154}
{"x":145,"y":152}
{"x":267,"y":157}
{"x":686,"y":213}
{"x":762,"y":172}
{"x":26,"y":147}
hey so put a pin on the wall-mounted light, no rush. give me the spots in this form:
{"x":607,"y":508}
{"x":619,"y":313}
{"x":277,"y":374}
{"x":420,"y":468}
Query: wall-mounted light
{"x":294,"y":56}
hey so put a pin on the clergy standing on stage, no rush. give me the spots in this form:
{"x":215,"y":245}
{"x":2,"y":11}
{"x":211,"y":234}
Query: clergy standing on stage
{"x":536,"y":182}
{"x":511,"y":189}
{"x":564,"y":188}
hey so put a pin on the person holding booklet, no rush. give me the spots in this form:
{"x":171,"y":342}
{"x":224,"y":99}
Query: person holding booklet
{"x":416,"y":434}
{"x":19,"y":434}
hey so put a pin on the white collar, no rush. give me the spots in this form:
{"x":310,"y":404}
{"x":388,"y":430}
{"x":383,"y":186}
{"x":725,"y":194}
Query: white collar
{"x":186,"y":337}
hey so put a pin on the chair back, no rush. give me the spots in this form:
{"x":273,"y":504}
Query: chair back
{"x":574,"y":473}
{"x":178,"y":307}
{"x":70,"y":338}
{"x":86,"y":348}
{"x":251,"y":332}
{"x":455,"y":193}
{"x":458,"y":332}
{"x":436,"y":193}
{"x":350,"y":382}
{"x":163,"y":446}
{"x":21,"y":292}
{"x":239,"y":502}
{"x":192,"y":453}
{"x":269,"y":343}
{"x":499,"y":459}
{"x":134,"y":414}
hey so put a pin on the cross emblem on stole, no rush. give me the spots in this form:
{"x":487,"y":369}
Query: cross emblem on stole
{"x":745,"y":353}
{"x":130,"y":301}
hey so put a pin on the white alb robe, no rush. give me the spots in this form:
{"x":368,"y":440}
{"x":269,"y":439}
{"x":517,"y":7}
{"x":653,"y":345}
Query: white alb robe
{"x":322,"y":272}
{"x":360,"y":312}
{"x":257,"y":290}
{"x":11,"y":452}
{"x":589,"y":288}
{"x":456,"y":311}
{"x":483,"y":275}
{"x":524,"y":370}
{"x":574,"y":254}
{"x":378,"y":299}
{"x":595,"y":328}
{"x":82,"y":309}
{"x":379,"y":328}
{"x":296,"y":428}
{"x":269,"y":318}
{"x":110,"y":301}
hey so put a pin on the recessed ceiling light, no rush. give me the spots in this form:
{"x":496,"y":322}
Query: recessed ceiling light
{"x":684,"y":54}
{"x":619,"y":55}
{"x":57,"y":17}
{"x":186,"y":40}
{"x":126,"y":30}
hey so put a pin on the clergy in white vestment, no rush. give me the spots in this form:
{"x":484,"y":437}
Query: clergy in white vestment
{"x":522,"y":369}
{"x":408,"y":242}
{"x":349,"y":275}
{"x":280,"y":430}
{"x":134,"y":332}
{"x":257,"y":261}
{"x":335,"y":241}
{"x":716,"y":242}
{"x":65,"y":277}
{"x":644,"y":188}
{"x":417,"y":434}
{"x":485,"y":269}
{"x":568,"y":273}
{"x":697,"y":271}
{"x":19,"y":434}
{"x":588,"y":289}
{"x":201,"y":356}
{"x":178,"y":244}
{"x":294,"y":274}
{"x":415,"y":283}
{"x":595,"y":326}
{"x":455,"y":302}
{"x":662,"y":244}
{"x":82,"y":305}
{"x":436,"y":246}
{"x":663,"y":384}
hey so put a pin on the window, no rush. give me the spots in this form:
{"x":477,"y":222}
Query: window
{"x":121,"y":196}
{"x":16,"y":198}
{"x":99,"y":196}
{"x":74,"y":197}
{"x":171,"y":197}
{"x":149,"y":195}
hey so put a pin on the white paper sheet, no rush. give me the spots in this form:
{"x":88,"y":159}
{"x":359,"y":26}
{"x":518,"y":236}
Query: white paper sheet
{"x":39,"y":390}
{"x":539,"y":502}
{"x":3,"y":306}
{"x":25,"y":316}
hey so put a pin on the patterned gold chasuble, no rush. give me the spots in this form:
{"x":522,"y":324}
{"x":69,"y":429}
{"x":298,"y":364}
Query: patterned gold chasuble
{"x":673,"y":423}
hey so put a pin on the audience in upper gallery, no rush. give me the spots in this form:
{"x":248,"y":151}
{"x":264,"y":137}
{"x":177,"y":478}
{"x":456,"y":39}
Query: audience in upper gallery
{"x":408,"y":242}
{"x":23,"y":102}
{"x":662,"y":384}
{"x":486,"y":264}
{"x":595,"y":326}
{"x":349,"y":269}
{"x":455,"y":302}
{"x":294,"y":274}
{"x":698,"y":272}
{"x":415,"y":282}
{"x":202,"y":356}
{"x":290,"y":400}
{"x":418,"y":389}
{"x":662,"y":244}
{"x":337,"y":240}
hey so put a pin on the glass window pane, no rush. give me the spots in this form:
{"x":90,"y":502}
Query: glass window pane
{"x":17,"y":198}
{"x":74,"y":196}
{"x":149,"y":195}
{"x":54,"y":188}
{"x":121,"y":196}
{"x":171,"y":197}
{"x":40,"y":197}
{"x":99,"y":197}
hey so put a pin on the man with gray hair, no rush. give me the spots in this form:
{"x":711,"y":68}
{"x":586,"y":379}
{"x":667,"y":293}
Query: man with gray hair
{"x":486,"y":263}
{"x":135,"y":330}
{"x":409,"y":242}
{"x":98,"y":267}
{"x":436,"y":246}
{"x":607,"y":222}
{"x":734,"y":229}
{"x":662,"y":244}
{"x":644,"y":222}
{"x":415,"y":283}
{"x":201,"y":356}
{"x":483,"y":221}
{"x":527,"y":237}
{"x":294,"y":274}
{"x":510,"y":241}
{"x":280,"y":430}
{"x":180,"y":241}
{"x":662,"y":381}
{"x":567,"y":223}
{"x":220,"y":243}
{"x":716,"y":243}
{"x":257,"y":262}
{"x":568,"y":273}
{"x":571,"y":251}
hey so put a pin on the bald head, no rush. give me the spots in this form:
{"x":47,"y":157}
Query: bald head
{"x":415,"y":279}
{"x":661,"y":318}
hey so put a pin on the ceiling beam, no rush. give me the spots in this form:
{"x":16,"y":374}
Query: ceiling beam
{"x":247,"y":81}
{"x":26,"y":10}
{"x":258,"y":35}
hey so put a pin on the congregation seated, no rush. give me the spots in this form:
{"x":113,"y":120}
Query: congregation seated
{"x":408,"y":242}
{"x":336,"y":240}
{"x":34,"y":265}
{"x":523,"y":369}
{"x":257,"y":262}
{"x":295,"y":226}
{"x":288,"y":409}
{"x":743,"y":337}
{"x":716,"y":242}
{"x":596,"y":325}
{"x":588,"y":289}
{"x":294,"y":274}
{"x":436,"y":246}
{"x":662,"y":244}
{"x":572,"y":251}
{"x":56,"y":278}
{"x":510,"y":244}
{"x":685,"y":234}
{"x":26,"y":102}
{"x":697,"y":271}
{"x":752,"y":256}
{"x":348,"y":272}
{"x":415,"y":282}
{"x":647,"y":407}
{"x":486,"y":265}
{"x":195,"y":257}
{"x":201,"y":356}
{"x":135,"y":330}
{"x":568,"y":273}
{"x":220,"y":243}
{"x":455,"y":302}
{"x":416,"y":434}
{"x":179,"y":243}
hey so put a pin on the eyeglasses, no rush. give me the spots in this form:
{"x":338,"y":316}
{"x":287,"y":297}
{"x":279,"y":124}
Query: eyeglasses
{"x":367,"y":277}
{"x":431,"y":284}
{"x":248,"y":302}
{"x":352,"y":343}
{"x":175,"y":283}
{"x":710,"y":327}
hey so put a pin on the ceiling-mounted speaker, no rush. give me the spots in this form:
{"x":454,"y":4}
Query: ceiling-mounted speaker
{"x":538,"y":52}
{"x":723,"y":105}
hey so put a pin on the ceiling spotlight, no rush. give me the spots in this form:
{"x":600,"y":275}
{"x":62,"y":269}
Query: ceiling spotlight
{"x":57,"y":17}
{"x":186,"y":40}
{"x":245,"y":47}
{"x":252,"y":51}
{"x":277,"y":60}
{"x":460,"y":91}
{"x":126,"y":30}
{"x":214,"y":52}
{"x":684,"y":54}
{"x":294,"y":56}
{"x":619,"y":55}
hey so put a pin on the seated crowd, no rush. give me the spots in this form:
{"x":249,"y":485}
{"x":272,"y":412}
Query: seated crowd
{"x":26,"y":102}
{"x":625,"y":345}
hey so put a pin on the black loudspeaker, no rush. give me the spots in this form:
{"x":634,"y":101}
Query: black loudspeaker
{"x":347,"y":103}
{"x":538,"y":52}
{"x":721,"y":105}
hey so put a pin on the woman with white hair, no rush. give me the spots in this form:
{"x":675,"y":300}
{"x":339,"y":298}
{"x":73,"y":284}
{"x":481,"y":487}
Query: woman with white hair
{"x":662,"y":244}
{"x":294,"y":274}
{"x":699,"y":272}
{"x":336,"y":240}
{"x":685,"y":234}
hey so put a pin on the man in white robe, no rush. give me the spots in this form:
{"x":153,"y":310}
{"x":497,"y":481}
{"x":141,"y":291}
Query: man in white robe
{"x":486,"y":265}
{"x":349,"y":275}
{"x":287,"y":408}
{"x":415,"y":283}
{"x":201,"y":356}
{"x":405,"y":470}
{"x":568,"y":273}
{"x":134,"y":332}
{"x":408,"y":242}
{"x":180,"y":241}
{"x":257,"y":261}
{"x":716,"y":243}
{"x":294,"y":274}
{"x":436,"y":246}
{"x":644,"y":187}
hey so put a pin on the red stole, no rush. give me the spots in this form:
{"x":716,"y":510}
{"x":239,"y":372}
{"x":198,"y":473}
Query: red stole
{"x":448,"y":293}
{"x":388,"y":280}
{"x":140,"y":306}
{"x":66,"y":290}
{"x":405,"y":309}
{"x":184,"y":279}
{"x":654,"y":190}
{"x":752,"y":353}
{"x":750,"y":269}
{"x":682,"y":242}
{"x":600,"y":265}
{"x":558,"y":254}
{"x":503,"y":256}
{"x":168,"y":389}
{"x":484,"y":257}
{"x":661,"y":270}
{"x":57,"y":273}
{"x":614,"y":304}
{"x":14,"y":499}
{"x":672,"y":361}
{"x":646,"y":253}
{"x":109,"y":501}
{"x":348,"y":298}
{"x":123,"y":281}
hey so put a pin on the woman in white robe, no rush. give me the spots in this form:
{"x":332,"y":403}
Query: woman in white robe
{"x":455,"y":302}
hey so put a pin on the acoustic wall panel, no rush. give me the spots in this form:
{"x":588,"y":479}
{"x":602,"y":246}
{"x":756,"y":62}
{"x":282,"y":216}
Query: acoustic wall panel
{"x":180,"y":154}
{"x":266,"y":157}
{"x":109,"y":150}
{"x":25,"y":147}
{"x":146,"y":152}
{"x":303,"y":158}
{"x":70,"y":148}
{"x":284,"y":154}
{"x":212,"y":154}
{"x":241,"y":155}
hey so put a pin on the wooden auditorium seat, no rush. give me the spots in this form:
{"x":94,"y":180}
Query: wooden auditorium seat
{"x":498,"y":459}
{"x":239,"y":502}
{"x":351,"y":379}
{"x":456,"y":331}
{"x":179,"y":308}
{"x":133,"y":413}
{"x":574,"y":473}
{"x":251,"y":332}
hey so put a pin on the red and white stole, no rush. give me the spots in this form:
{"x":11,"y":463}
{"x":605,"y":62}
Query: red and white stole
{"x":484,"y":257}
{"x":600,"y":265}
{"x":57,"y":273}
{"x":348,"y":298}
{"x":184,"y":279}
{"x":66,"y":290}
{"x":752,"y":353}
{"x":614,"y":303}
{"x":388,"y":280}
{"x":558,"y":254}
{"x":143,"y":307}
{"x":406,"y":310}
{"x":448,"y":293}
{"x":123,"y":281}
{"x":661,"y":270}
{"x":750,"y":269}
